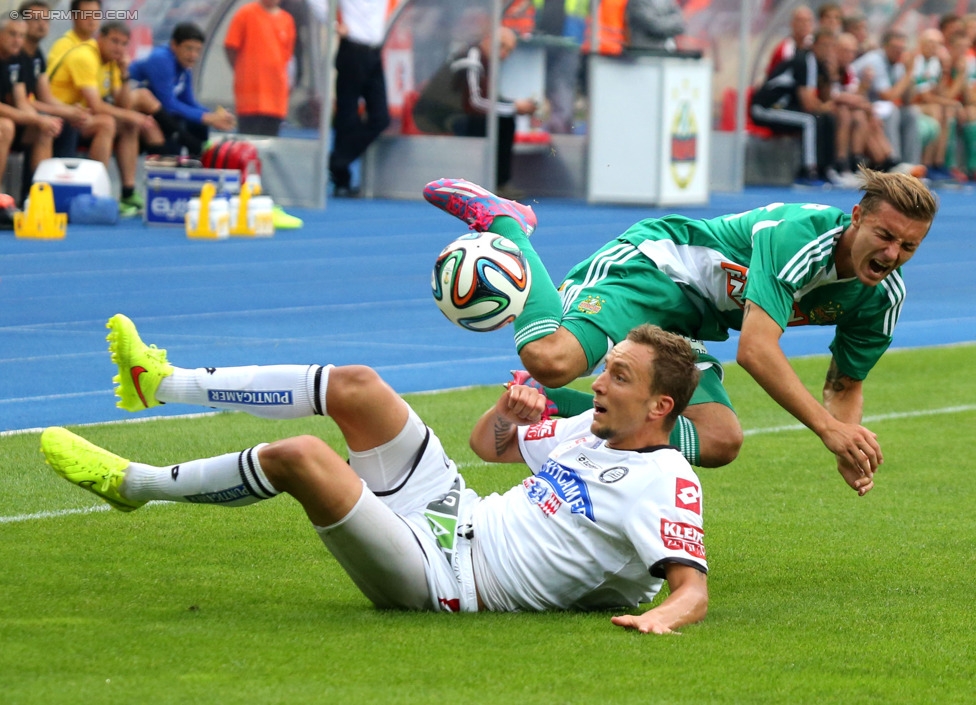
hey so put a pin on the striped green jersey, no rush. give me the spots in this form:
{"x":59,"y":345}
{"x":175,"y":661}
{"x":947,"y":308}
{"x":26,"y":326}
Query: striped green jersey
{"x":780,"y":257}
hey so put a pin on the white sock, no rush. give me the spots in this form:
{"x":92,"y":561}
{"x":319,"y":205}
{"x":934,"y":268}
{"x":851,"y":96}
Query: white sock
{"x":268,"y":391}
{"x":233,"y":479}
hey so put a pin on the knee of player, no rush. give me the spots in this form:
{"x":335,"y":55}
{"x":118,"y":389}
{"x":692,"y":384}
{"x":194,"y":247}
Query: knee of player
{"x":731,"y":444}
{"x":549,"y":364}
{"x":284,"y":460}
{"x":549,"y":373}
{"x":721,"y":447}
{"x":352,"y":384}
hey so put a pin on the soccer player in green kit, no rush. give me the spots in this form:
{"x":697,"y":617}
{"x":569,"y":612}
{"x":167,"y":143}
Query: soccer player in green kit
{"x":757,"y":272}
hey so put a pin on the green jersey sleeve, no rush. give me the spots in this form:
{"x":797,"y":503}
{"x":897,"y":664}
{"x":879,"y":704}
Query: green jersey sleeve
{"x":865,"y":333}
{"x":793,"y":249}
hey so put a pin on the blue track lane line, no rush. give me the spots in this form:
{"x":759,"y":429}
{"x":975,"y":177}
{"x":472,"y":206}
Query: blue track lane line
{"x":353,"y":286}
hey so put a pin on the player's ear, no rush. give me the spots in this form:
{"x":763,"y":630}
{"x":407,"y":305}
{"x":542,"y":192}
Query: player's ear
{"x":856,"y":215}
{"x":659,"y":406}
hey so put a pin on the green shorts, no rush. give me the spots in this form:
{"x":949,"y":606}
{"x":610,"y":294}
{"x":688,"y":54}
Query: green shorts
{"x":619,"y":288}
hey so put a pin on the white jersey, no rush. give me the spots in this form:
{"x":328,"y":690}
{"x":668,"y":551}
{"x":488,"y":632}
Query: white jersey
{"x":592,"y":527}
{"x":365,"y":20}
{"x":927,"y":73}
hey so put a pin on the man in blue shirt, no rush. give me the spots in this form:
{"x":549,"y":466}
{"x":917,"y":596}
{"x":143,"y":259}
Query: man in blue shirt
{"x":167,"y":73}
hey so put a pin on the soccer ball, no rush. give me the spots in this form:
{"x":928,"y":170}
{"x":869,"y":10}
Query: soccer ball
{"x":481,"y":281}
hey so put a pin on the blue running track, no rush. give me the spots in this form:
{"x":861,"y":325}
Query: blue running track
{"x":352,"y":286}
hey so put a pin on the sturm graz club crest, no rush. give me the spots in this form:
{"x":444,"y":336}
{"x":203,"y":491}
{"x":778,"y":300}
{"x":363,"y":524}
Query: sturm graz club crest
{"x":611,"y":475}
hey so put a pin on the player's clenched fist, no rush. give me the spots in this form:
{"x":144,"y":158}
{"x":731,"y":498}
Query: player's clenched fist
{"x":521,"y":405}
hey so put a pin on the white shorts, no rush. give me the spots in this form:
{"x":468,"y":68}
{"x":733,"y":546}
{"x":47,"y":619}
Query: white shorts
{"x":387,"y":544}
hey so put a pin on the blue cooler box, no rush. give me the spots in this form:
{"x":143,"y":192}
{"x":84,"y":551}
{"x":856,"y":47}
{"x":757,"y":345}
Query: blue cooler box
{"x":169,"y":190}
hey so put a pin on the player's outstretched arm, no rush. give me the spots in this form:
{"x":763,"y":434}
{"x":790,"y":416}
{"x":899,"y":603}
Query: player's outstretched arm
{"x":494,"y":437}
{"x":687,"y":603}
{"x":760,"y":355}
{"x":843,"y":397}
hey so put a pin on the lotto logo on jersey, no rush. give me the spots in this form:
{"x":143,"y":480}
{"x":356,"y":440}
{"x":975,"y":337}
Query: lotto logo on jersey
{"x":543,"y":429}
{"x":678,"y":536}
{"x":687,"y":495}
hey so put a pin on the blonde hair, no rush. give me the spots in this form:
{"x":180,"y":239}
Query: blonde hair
{"x":903,"y":192}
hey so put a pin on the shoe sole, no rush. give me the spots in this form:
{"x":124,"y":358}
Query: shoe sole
{"x":122,"y":337}
{"x":467,"y":202}
{"x":63,"y":450}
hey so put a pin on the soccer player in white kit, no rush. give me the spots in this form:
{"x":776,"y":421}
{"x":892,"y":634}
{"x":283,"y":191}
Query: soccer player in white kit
{"x":609,"y":513}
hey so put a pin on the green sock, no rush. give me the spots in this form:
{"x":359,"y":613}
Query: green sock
{"x":684,"y":437}
{"x":969,"y":144}
{"x":569,"y":402}
{"x":544,"y":308}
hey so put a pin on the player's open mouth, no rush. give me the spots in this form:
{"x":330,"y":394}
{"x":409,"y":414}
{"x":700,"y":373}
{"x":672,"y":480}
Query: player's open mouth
{"x":598,"y":408}
{"x":878,"y":267}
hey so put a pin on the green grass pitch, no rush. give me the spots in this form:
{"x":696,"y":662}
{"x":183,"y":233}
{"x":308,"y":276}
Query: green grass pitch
{"x":817,"y":596}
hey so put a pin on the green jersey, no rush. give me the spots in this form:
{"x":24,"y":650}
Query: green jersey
{"x":782,"y":258}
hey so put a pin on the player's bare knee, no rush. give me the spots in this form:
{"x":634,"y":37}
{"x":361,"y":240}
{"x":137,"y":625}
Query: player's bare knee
{"x":719,"y":433}
{"x":720,"y":441}
{"x":720,"y":450}
{"x":548,"y":363}
{"x":548,"y":372}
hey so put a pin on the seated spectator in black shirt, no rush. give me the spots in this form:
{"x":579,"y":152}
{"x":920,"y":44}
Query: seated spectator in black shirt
{"x":796,"y":97}
{"x":21,"y":125}
{"x":455,"y":101}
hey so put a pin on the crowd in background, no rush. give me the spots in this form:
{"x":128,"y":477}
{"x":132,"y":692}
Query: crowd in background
{"x":891,"y":102}
{"x":886,"y":102}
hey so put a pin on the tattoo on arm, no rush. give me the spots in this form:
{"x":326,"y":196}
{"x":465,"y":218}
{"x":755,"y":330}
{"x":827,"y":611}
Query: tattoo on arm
{"x":838,"y":382}
{"x":503,"y":436}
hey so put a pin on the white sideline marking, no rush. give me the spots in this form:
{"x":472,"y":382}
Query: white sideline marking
{"x":56,"y":513}
{"x":140,"y":419}
{"x":869,"y":419}
{"x":53,"y":514}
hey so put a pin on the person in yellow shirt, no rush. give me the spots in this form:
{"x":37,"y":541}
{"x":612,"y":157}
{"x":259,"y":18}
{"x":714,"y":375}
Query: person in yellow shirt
{"x":131,"y":108}
{"x":74,"y":65}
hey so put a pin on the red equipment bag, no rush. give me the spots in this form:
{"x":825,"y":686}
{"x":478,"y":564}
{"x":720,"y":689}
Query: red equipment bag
{"x":233,"y":154}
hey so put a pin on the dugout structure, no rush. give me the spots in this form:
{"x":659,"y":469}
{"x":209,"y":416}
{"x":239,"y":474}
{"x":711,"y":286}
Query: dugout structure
{"x":735,"y":36}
